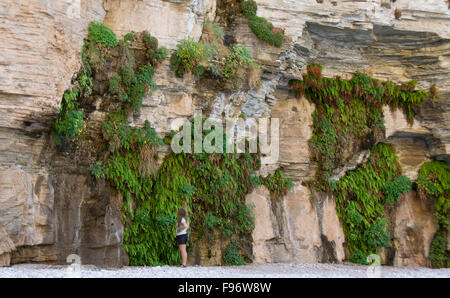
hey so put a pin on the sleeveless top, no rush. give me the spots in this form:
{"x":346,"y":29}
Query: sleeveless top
{"x":182,"y":232}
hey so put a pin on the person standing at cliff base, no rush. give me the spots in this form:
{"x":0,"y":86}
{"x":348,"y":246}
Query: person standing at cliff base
{"x":182,"y":235}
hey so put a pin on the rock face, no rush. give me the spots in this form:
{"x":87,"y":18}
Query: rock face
{"x":415,"y":144}
{"x":295,"y":130}
{"x":169,"y":20}
{"x":39,"y":54}
{"x":88,"y":217}
{"x":6,"y":246}
{"x":40,"y":45}
{"x":47,"y":213}
{"x":301,"y":227}
{"x":208,"y":253}
{"x":414,"y":229}
{"x":26,"y":206}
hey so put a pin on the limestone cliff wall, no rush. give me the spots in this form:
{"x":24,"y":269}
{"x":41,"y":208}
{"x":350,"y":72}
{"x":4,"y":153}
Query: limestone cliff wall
{"x":48,"y":212}
{"x":39,"y":54}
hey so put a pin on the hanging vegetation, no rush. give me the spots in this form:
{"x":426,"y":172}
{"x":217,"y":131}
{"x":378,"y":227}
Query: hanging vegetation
{"x":434,"y":184}
{"x":212,"y":187}
{"x":361,"y":196}
{"x":349,"y":112}
{"x":110,"y":69}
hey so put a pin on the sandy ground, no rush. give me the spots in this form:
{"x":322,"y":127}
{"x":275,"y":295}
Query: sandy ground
{"x":247,"y":271}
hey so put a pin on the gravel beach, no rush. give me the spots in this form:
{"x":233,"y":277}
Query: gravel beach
{"x":247,"y":271}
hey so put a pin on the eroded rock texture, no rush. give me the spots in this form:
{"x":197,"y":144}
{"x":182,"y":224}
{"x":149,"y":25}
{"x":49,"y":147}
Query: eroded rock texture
{"x":301,"y":227}
{"x":415,"y":226}
{"x":39,"y":54}
{"x":48,"y":212}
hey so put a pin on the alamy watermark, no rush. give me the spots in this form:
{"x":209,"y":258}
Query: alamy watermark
{"x":232,"y":135}
{"x":74,"y":269}
{"x":374,"y":269}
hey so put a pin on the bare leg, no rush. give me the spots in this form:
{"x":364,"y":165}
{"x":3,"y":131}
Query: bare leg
{"x":183,"y":253}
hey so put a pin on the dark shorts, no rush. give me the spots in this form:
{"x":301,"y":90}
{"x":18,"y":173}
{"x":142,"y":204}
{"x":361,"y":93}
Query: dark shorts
{"x":181,"y":239}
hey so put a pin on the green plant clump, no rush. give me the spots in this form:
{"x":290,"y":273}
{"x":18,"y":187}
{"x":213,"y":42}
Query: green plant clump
{"x":249,"y":8}
{"x":233,"y":256}
{"x":129,"y":84}
{"x":114,"y":82}
{"x":70,"y":120}
{"x":189,"y":57}
{"x":236,"y":68}
{"x":434,"y":184}
{"x":154,"y":53}
{"x":262,"y":28}
{"x":277,"y":184}
{"x":361,"y":196}
{"x":439,"y":255}
{"x":393,"y":190}
{"x":97,"y":170}
{"x":229,"y":66}
{"x":135,"y":85}
{"x":99,"y":33}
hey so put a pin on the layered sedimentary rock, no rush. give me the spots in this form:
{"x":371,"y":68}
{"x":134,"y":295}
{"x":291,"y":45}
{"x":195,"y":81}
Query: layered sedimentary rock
{"x":415,"y":226}
{"x":39,"y":54}
{"x":169,"y":20}
{"x":40,"y":45}
{"x":300,"y":227}
{"x":48,"y":213}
